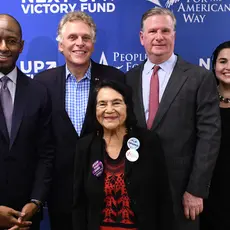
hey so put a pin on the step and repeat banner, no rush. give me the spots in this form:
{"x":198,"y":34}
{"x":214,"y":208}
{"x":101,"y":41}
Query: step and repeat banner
{"x":201,"y":26}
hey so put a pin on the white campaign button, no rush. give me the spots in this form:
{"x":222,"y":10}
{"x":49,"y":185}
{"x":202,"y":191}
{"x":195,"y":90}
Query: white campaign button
{"x":132,"y":155}
{"x":133,"y":143}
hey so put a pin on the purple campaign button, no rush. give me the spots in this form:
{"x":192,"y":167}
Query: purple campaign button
{"x":97,"y":168}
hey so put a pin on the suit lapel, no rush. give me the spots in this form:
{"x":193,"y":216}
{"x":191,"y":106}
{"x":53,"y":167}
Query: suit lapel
{"x":128,"y":164}
{"x":21,"y":97}
{"x":97,"y":154}
{"x":60,"y":90}
{"x":61,"y":87}
{"x":128,"y":169}
{"x":173,"y":87}
{"x":3,"y":127}
{"x":95,"y":79}
{"x":138,"y":97}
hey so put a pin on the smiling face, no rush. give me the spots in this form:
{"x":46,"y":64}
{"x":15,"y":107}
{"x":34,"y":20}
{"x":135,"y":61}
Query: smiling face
{"x":77,"y":44}
{"x":111,"y":110}
{"x":158,"y":37}
{"x":222,"y":66}
{"x":11,"y":44}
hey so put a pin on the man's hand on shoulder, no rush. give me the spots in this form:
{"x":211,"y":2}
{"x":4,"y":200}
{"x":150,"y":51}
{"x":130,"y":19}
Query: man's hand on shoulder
{"x":193,"y":205}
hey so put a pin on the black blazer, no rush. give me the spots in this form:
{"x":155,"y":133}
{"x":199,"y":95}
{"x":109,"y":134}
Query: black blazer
{"x":65,"y":136}
{"x":26,"y":157}
{"x":146,"y":181}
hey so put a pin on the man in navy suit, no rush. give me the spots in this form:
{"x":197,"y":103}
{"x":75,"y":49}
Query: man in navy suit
{"x":70,"y":87}
{"x":26,"y":150}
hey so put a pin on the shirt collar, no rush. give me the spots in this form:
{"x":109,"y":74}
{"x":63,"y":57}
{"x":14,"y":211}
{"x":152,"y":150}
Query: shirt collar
{"x":166,"y":66}
{"x":87,"y":74}
{"x":12,"y":75}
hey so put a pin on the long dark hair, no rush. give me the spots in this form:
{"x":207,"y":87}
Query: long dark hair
{"x":126,"y":93}
{"x":216,"y":52}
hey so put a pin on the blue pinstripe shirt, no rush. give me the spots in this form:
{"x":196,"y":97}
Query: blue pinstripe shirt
{"x":76,"y":98}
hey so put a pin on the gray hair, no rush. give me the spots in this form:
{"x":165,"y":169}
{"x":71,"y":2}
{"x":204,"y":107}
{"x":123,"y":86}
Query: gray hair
{"x":158,"y":11}
{"x":76,"y":16}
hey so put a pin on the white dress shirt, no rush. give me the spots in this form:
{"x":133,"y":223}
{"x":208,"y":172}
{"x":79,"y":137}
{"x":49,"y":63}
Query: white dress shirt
{"x":164,"y":73}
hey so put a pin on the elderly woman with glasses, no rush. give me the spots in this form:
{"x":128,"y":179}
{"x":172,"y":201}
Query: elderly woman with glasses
{"x":120,"y":180}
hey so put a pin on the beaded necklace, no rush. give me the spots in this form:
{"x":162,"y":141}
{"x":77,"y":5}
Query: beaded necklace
{"x":223,"y":99}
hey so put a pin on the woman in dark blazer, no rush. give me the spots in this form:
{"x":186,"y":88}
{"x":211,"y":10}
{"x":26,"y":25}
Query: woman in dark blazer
{"x":120,"y":179}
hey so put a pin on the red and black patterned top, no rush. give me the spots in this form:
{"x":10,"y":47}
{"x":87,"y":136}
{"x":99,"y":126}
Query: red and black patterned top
{"x":117,"y":212}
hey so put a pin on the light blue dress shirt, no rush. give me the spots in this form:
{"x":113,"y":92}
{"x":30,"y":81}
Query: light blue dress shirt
{"x":76,"y":98}
{"x":164,"y":73}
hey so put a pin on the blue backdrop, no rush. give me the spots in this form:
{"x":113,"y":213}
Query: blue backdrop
{"x":201,"y":26}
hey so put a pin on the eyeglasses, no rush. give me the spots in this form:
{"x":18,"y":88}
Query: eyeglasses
{"x":113,"y":103}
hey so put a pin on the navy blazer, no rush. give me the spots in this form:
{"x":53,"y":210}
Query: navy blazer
{"x":65,"y":136}
{"x":26,"y":157}
{"x":146,"y":181}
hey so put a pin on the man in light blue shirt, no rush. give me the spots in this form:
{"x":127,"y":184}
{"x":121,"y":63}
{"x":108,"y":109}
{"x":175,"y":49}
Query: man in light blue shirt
{"x":71,"y":87}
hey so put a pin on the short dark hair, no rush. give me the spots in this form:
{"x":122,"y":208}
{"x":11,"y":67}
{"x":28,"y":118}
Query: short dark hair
{"x":224,"y":45}
{"x":16,"y":21}
{"x":126,"y":93}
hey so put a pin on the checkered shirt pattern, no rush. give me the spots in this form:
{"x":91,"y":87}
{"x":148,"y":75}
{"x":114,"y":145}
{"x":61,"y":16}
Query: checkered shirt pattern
{"x":76,"y":98}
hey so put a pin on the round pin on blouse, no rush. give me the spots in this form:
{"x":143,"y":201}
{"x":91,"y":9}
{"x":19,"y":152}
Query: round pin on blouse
{"x":132,"y":155}
{"x":97,"y":168}
{"x":133,"y":143}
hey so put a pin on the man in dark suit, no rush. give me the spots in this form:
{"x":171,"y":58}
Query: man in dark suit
{"x":70,"y":87}
{"x":179,"y":101}
{"x":26,"y":150}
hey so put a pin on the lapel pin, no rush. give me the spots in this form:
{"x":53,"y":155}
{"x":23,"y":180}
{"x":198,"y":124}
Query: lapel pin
{"x":132,"y":155}
{"x":133,"y":143}
{"x":97,"y":168}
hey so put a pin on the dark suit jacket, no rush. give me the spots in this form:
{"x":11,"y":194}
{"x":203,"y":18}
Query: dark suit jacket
{"x":60,"y":199}
{"x":188,"y":124}
{"x":26,"y":158}
{"x":146,"y":181}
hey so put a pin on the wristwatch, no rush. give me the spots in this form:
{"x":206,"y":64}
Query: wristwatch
{"x":37,"y":203}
